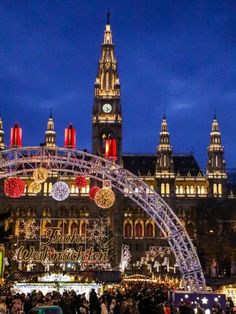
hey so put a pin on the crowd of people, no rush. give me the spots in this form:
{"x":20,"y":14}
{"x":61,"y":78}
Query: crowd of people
{"x":136,"y":298}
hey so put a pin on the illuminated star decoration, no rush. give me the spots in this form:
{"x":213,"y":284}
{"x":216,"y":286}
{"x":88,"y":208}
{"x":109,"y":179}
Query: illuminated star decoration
{"x":204,"y":300}
{"x":29,"y":228}
{"x":60,"y":191}
{"x":97,"y":233}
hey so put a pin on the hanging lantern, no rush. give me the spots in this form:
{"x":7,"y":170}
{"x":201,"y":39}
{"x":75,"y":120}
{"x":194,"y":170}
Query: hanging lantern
{"x":40,"y":175}
{"x":60,"y":191}
{"x":92,"y":192}
{"x":104,"y":198}
{"x":80,"y":181}
{"x":34,"y":187}
{"x":14,"y":187}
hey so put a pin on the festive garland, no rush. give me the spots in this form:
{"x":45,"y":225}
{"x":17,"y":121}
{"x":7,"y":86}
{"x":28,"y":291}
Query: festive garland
{"x":104,"y":198}
{"x":40,"y":175}
{"x":34,"y":187}
{"x":80,"y":181}
{"x":60,"y":191}
{"x":92,"y":192}
{"x":14,"y":187}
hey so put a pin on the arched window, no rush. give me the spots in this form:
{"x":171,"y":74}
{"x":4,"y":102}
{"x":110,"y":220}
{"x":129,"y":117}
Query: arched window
{"x":167,"y":188}
{"x":128,"y":230}
{"x":138,"y":230}
{"x":45,"y":188}
{"x":72,"y":189}
{"x":191,"y":189}
{"x":181,"y":190}
{"x":50,"y":187}
{"x":187,"y":189}
{"x":215,"y":188}
{"x":202,"y":189}
{"x":220,"y":189}
{"x":216,"y":161}
{"x":163,"y":188}
{"x":198,"y":190}
{"x":164,"y":160}
{"x":177,"y":189}
{"x":149,"y":230}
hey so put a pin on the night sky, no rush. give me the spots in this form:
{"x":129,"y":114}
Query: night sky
{"x":176,"y":57}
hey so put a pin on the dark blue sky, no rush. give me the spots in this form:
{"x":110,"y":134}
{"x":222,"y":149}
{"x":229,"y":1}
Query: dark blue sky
{"x":177,"y":56}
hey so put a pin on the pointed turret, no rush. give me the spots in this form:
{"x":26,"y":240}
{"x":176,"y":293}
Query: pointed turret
{"x":164,"y":167}
{"x":2,"y":145}
{"x":107,"y":117}
{"x":216,"y":174}
{"x":50,"y":134}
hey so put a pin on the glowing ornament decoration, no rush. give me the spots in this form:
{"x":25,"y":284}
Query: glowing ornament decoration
{"x":34,"y":187}
{"x":60,"y":191}
{"x":104,"y":198}
{"x":40,"y":175}
{"x":93,"y":191}
{"x":14,"y":187}
{"x":80,"y":181}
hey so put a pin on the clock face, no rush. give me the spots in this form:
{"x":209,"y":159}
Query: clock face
{"x":107,"y":108}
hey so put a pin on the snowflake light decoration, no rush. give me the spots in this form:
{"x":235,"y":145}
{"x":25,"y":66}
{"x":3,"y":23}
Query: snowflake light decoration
{"x":29,"y":228}
{"x":60,"y":191}
{"x":97,"y":233}
{"x":125,"y":257}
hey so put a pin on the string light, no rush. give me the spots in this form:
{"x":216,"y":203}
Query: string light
{"x":92,"y":191}
{"x":14,"y":187}
{"x":34,"y":187}
{"x":40,"y":175}
{"x":80,"y":181}
{"x":60,"y":191}
{"x":104,"y":198}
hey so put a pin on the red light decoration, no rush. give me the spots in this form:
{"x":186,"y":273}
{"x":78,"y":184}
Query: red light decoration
{"x":111,"y":149}
{"x":92,"y":192}
{"x":14,"y":187}
{"x":70,"y":137}
{"x":80,"y":181}
{"x":16,"y":136}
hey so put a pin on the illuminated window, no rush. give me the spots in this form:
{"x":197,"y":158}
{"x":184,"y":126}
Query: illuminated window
{"x":181,"y":190}
{"x":187,"y":189}
{"x":191,"y":189}
{"x":220,"y":189}
{"x":163,"y":188}
{"x":167,"y":188}
{"x":72,"y":189}
{"x":177,"y":189}
{"x":138,"y":230}
{"x":214,"y":188}
{"x":128,"y":230}
{"x":149,"y":230}
{"x":49,"y":187}
{"x":202,"y":189}
{"x":198,"y":191}
{"x":45,"y":188}
{"x":216,"y":161}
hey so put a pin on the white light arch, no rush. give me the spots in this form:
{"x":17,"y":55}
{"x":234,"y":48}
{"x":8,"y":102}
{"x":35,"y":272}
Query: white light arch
{"x":24,"y":160}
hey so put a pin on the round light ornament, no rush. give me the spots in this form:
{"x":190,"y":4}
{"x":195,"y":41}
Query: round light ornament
{"x":60,"y":191}
{"x":14,"y":187}
{"x":80,"y":181}
{"x":105,"y":198}
{"x":34,"y":187}
{"x":40,"y":175}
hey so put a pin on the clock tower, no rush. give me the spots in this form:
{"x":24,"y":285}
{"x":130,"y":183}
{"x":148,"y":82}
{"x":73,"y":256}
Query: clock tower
{"x":107,"y":117}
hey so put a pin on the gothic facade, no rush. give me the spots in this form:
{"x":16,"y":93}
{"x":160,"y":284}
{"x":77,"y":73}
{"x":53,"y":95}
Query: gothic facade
{"x":177,"y":178}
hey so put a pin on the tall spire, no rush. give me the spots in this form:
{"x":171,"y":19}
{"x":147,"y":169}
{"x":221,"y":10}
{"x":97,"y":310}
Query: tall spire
{"x":50,"y":134}
{"x":2,"y":145}
{"x":164,"y":136}
{"x":165,"y":166}
{"x":107,"y":82}
{"x":216,"y":173}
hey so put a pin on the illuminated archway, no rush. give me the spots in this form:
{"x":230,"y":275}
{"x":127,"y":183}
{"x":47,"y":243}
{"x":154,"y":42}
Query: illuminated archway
{"x":24,"y":160}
